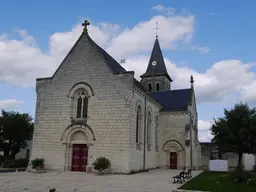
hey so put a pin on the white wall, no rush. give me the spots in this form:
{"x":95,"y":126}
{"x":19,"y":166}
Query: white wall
{"x":248,"y":161}
{"x":23,"y":152}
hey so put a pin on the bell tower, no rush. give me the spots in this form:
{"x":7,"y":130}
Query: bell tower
{"x":156,"y":77}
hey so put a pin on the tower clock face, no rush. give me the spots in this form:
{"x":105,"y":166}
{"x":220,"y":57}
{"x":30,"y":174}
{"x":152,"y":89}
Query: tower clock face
{"x":154,"y":63}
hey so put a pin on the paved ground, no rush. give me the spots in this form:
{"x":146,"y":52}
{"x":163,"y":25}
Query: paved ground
{"x":153,"y":181}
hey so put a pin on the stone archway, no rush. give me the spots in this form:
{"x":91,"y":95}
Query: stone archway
{"x":174,"y":154}
{"x":78,"y":141}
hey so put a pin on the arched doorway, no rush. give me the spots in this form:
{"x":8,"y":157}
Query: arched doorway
{"x":79,"y":157}
{"x":174,"y":154}
{"x":79,"y":151}
{"x":79,"y":142}
{"x":173,"y":160}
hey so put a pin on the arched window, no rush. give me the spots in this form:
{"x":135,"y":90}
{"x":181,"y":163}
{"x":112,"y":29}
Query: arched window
{"x":156,"y":133}
{"x":81,"y":104}
{"x":149,"y":87}
{"x":149,"y":123}
{"x":80,"y":94}
{"x":157,"y":86}
{"x":138,"y":124}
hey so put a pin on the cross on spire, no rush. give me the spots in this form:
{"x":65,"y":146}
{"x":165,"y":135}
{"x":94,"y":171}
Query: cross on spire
{"x":157,"y":29}
{"x":85,"y":24}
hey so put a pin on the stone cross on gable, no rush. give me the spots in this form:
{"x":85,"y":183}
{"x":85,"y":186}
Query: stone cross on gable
{"x":85,"y":24}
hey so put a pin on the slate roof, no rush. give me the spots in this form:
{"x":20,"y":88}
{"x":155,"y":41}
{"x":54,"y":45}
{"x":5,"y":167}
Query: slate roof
{"x":112,"y":63}
{"x":159,"y":69}
{"x":173,"y":100}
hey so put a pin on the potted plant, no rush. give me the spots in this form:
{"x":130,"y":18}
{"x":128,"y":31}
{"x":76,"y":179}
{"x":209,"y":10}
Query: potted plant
{"x":38,"y":163}
{"x":101,"y":163}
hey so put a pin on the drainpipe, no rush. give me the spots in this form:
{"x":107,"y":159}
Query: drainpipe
{"x":144,"y":143}
{"x":191,"y":126}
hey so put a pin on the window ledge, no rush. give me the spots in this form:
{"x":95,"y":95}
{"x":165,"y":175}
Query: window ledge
{"x":79,"y":120}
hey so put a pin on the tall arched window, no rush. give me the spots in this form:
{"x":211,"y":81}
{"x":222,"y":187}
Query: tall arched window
{"x":156,"y":133}
{"x":82,"y":104}
{"x":80,"y":95}
{"x":138,"y":124}
{"x":149,"y":123}
{"x":149,"y":87}
{"x":157,"y":86}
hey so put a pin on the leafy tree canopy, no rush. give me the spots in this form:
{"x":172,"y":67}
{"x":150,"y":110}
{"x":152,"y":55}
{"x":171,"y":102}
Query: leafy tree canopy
{"x":15,"y":130}
{"x":236,"y":131}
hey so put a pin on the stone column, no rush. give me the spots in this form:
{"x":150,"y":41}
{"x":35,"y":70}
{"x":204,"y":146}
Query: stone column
{"x":187,"y":157}
{"x":89,"y":167}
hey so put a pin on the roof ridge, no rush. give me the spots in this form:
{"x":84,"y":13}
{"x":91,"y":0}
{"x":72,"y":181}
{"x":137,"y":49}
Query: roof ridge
{"x":112,"y":63}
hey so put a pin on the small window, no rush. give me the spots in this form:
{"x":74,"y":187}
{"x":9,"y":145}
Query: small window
{"x":156,"y":133}
{"x":157,"y":86}
{"x":149,"y":123}
{"x":149,"y":87}
{"x":138,"y":124}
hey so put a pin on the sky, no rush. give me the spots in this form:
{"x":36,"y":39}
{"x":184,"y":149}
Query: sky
{"x":211,"y":40}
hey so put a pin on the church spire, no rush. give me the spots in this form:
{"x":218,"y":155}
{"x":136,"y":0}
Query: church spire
{"x":156,"y":65}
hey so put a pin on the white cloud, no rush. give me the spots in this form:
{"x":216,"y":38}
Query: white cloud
{"x":10,"y":104}
{"x":22,"y":61}
{"x":165,"y":10}
{"x":201,"y":49}
{"x":204,"y":133}
{"x":140,"y":38}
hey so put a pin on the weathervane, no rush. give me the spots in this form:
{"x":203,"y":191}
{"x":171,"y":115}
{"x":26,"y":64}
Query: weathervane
{"x":122,"y":61}
{"x":85,"y":24}
{"x":157,"y":29}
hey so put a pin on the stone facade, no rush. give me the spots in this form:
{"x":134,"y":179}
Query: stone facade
{"x":109,"y":126}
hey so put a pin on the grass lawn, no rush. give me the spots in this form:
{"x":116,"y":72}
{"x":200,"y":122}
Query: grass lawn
{"x":216,"y":182}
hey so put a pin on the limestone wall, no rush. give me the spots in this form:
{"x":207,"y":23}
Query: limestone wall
{"x":196,"y":148}
{"x":108,"y":113}
{"x":172,"y":125}
{"x":136,"y":154}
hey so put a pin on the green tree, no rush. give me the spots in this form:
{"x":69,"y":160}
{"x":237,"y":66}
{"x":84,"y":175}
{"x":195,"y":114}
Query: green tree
{"x":15,"y":130}
{"x":236,"y":131}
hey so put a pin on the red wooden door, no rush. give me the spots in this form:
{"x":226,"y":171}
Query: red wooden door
{"x":79,"y":157}
{"x":173,"y":160}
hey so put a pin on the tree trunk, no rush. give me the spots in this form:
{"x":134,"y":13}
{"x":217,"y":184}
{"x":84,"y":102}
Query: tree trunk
{"x":15,"y":149}
{"x":240,"y":155}
{"x":6,"y":149}
{"x":6,"y":152}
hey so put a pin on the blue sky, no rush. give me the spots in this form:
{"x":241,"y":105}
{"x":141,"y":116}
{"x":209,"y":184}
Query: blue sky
{"x":215,"y":43}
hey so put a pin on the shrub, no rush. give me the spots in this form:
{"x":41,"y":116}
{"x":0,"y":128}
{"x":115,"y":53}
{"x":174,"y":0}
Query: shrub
{"x":9,"y":164}
{"x":240,"y":176}
{"x":254,"y":168}
{"x":4,"y":158}
{"x":101,"y":163}
{"x":252,"y":181}
{"x":15,"y":163}
{"x":21,"y":163}
{"x":38,"y":163}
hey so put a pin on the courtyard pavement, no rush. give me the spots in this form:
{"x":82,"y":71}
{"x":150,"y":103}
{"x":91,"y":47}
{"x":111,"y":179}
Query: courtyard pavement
{"x":154,"y":181}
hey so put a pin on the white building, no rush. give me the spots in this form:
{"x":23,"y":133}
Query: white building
{"x":93,"y":107}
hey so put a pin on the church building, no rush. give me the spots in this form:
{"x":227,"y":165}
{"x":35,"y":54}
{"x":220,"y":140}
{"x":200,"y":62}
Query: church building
{"x":92,"y":107}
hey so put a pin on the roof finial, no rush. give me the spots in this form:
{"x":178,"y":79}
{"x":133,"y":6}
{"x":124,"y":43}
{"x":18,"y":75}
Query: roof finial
{"x":157,"y":29}
{"x":85,"y":24}
{"x":191,"y":80}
